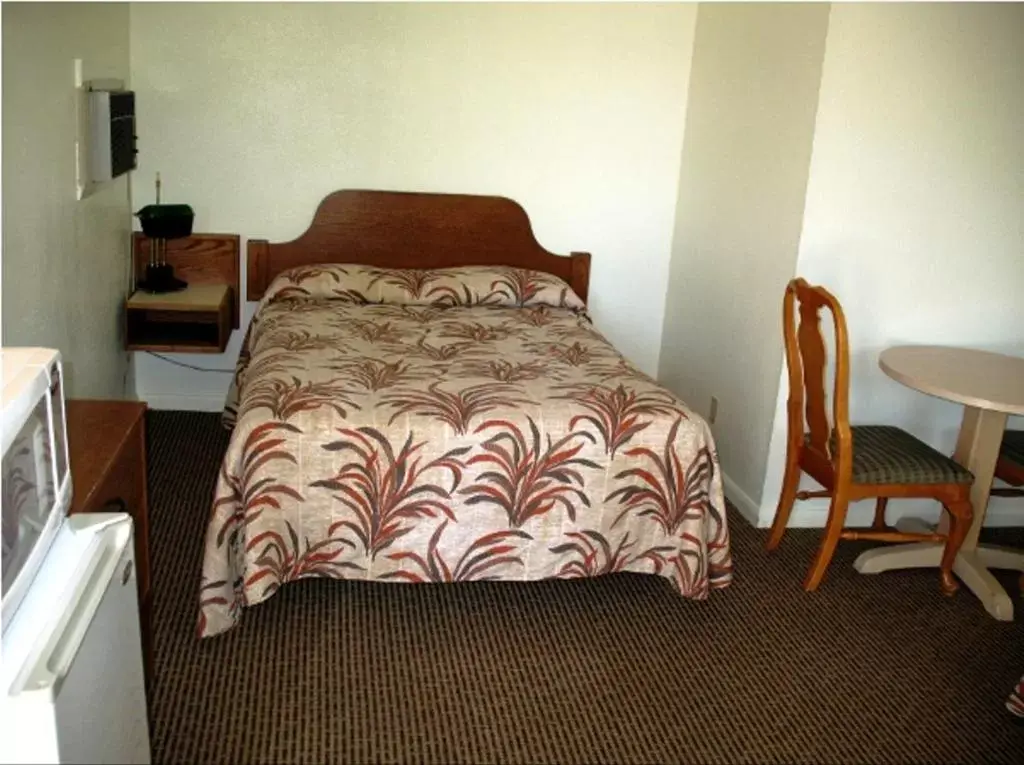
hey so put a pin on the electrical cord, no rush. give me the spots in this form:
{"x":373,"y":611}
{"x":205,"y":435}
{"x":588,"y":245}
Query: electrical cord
{"x":190,"y":366}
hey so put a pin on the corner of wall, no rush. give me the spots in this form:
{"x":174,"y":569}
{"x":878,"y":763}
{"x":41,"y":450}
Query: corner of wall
{"x":742,"y":501}
{"x":741,"y":204}
{"x":674,"y":243}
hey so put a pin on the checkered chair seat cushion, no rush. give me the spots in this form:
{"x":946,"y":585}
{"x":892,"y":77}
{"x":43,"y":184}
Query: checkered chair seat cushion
{"x":1013,"y":446}
{"x":887,"y":454}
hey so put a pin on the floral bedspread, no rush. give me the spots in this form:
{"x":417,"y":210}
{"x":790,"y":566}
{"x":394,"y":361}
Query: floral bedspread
{"x":450,"y":425}
{"x":1016,"y":701}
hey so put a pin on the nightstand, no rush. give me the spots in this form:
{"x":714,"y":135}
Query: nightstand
{"x":195,"y":320}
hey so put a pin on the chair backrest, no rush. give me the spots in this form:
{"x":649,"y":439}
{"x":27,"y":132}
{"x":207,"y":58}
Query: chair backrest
{"x":806,"y":362}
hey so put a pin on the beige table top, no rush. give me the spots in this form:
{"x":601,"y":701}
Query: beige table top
{"x":974,"y":378}
{"x":195,"y":297}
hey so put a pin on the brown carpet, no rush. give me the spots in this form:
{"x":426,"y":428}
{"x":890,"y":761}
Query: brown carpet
{"x":610,"y":670}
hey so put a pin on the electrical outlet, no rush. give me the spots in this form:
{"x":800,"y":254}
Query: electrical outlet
{"x":713,"y":410}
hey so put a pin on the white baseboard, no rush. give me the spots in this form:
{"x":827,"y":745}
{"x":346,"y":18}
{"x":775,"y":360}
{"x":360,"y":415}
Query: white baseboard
{"x":1005,"y":517}
{"x":748,"y":507}
{"x":207,"y":403}
{"x":812,"y":514}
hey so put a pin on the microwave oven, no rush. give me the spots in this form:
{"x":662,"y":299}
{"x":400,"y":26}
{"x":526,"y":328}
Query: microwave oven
{"x":36,"y":478}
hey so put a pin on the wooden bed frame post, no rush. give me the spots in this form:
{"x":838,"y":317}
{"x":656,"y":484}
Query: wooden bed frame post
{"x":580,"y":281}
{"x":257,"y":263}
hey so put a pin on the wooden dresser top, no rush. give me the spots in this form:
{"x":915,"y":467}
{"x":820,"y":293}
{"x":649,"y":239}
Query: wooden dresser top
{"x":97,"y":430}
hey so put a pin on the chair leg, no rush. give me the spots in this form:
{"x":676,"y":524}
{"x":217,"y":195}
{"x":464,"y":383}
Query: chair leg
{"x":787,"y":496}
{"x":836,"y":521}
{"x":880,"y":505}
{"x":960,"y":514}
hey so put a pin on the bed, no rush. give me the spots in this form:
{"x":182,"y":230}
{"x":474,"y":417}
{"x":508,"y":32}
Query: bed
{"x":421,"y":397}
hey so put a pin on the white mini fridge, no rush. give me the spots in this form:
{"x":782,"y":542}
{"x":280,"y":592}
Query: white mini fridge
{"x":72,"y":654}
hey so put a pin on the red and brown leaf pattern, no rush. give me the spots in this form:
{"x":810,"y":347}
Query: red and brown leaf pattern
{"x":377,"y":374}
{"x":413,"y":281}
{"x":485,"y":554}
{"x":519,"y":286}
{"x":1016,"y":701}
{"x":448,"y":426}
{"x":539,"y":316}
{"x":619,"y":370}
{"x":588,"y":553}
{"x":286,"y":398}
{"x":477,"y":331}
{"x":212,"y":596}
{"x":277,"y":560}
{"x":297,"y":341}
{"x":255,"y":486}
{"x":526,"y":477}
{"x":409,"y":313}
{"x":382,"y":492}
{"x":329,"y":272}
{"x":573,"y":354}
{"x":504,"y":370}
{"x":669,"y":491}
{"x":446,"y":352}
{"x":370,"y":331}
{"x":455,"y":409}
{"x":619,"y":414}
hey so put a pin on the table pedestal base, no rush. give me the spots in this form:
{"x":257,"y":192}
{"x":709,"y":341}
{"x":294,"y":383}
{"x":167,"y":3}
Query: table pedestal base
{"x":988,"y":385}
{"x":971,"y":567}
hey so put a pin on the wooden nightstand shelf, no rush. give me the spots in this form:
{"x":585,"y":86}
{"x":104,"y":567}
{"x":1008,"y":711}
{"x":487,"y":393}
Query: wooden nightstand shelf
{"x":196,"y":320}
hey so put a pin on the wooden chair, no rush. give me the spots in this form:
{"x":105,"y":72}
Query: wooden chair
{"x":1010,"y":467}
{"x":854,"y":462}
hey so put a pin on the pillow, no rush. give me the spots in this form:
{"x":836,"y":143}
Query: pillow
{"x":438,"y":287}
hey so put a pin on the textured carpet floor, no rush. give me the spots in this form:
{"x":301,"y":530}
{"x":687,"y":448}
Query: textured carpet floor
{"x":616,"y":669}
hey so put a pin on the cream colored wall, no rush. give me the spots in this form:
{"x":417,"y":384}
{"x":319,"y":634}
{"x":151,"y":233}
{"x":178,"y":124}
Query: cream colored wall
{"x":750,"y":121}
{"x":253,"y":112}
{"x":64,"y":261}
{"x":915,"y":206}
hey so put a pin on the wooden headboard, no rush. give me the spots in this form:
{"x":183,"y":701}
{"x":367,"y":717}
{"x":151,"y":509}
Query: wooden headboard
{"x":397,"y":229}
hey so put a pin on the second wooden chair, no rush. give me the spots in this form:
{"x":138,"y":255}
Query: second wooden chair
{"x":854,"y":462}
{"x":1010,"y":467}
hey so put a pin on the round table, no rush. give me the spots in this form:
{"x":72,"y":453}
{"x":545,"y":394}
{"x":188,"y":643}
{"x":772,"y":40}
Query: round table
{"x":991,"y":387}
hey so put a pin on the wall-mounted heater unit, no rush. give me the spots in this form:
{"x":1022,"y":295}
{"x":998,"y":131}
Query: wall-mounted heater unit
{"x":112,"y":134}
